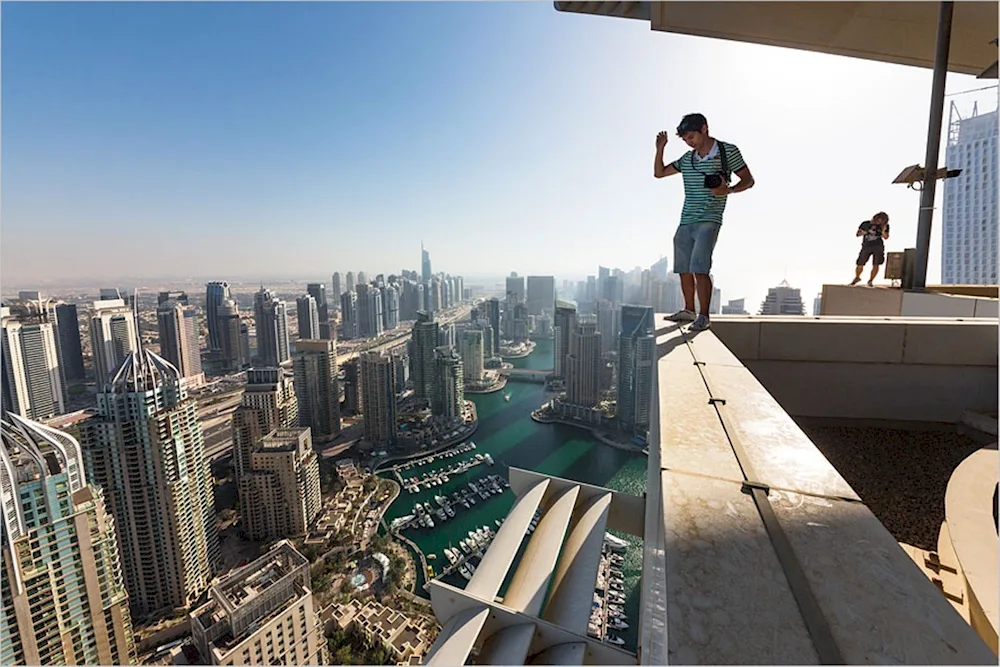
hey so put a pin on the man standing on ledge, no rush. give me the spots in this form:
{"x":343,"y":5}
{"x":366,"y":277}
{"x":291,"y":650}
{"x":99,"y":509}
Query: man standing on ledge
{"x":875,"y":233}
{"x":707,"y":170}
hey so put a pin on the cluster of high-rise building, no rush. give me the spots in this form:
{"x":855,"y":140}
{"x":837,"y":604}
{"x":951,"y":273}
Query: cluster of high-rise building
{"x":369,"y":308}
{"x":112,"y":517}
{"x":655,"y":287}
{"x":591,"y":370}
{"x":436,"y":367}
{"x":528,"y":306}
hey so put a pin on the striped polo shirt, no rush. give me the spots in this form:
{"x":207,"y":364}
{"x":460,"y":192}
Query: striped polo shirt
{"x":700,"y":205}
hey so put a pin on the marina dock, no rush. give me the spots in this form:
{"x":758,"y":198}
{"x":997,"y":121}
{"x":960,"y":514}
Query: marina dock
{"x":608,"y":610}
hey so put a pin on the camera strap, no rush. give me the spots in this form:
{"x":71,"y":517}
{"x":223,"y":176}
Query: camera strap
{"x":725,"y":160}
{"x":723,"y":156}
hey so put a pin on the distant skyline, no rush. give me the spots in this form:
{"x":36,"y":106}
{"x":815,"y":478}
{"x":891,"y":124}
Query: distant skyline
{"x":297,"y":139}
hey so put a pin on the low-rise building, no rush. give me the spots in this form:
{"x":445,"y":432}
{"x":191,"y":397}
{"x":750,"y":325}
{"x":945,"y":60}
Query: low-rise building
{"x":395,"y":631}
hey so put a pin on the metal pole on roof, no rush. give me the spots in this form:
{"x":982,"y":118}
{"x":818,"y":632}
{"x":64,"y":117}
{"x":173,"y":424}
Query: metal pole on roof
{"x":934,"y":123}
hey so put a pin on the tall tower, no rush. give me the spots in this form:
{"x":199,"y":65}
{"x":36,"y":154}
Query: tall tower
{"x":583,"y":366}
{"x":271,"y":320}
{"x":336,"y":287}
{"x":541,"y":295}
{"x":636,"y":355}
{"x":113,"y":336}
{"x":448,"y":399}
{"x":472,"y":355}
{"x":318,"y":292}
{"x":231,"y":344}
{"x":308,"y":315}
{"x":281,"y":490}
{"x":422,"y":368}
{"x":425,"y":264}
{"x":491,"y":311}
{"x":609,"y":323}
{"x":369,"y":311}
{"x":32,"y":381}
{"x":515,"y":286}
{"x":64,"y":600}
{"x":268,"y":403}
{"x":564,"y":324}
{"x":969,"y":223}
{"x":69,"y":341}
{"x":179,"y":337}
{"x":390,"y":307}
{"x":378,"y":397}
{"x":435,"y":298}
{"x":216,"y":294}
{"x":146,"y":449}
{"x":352,"y":388}
{"x":349,"y":315}
{"x":316,"y":388}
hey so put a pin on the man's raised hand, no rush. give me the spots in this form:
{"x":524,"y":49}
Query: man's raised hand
{"x":661,"y":140}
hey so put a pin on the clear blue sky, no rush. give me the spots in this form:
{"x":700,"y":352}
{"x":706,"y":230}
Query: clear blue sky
{"x":294,"y":139}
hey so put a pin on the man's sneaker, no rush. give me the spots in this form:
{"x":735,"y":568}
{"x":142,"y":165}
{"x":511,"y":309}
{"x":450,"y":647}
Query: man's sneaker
{"x":700,"y":324}
{"x":682,"y":316}
{"x":856,"y":281}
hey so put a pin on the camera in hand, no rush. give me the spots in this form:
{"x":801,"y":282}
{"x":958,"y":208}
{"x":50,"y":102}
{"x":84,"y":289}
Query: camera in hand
{"x":713,"y":181}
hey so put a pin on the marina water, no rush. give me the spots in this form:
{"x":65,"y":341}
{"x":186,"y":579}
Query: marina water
{"x":507,"y":432}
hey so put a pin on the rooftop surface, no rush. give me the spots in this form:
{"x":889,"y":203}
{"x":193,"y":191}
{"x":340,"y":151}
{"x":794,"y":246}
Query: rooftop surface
{"x":251,"y":595}
{"x":900,"y":474}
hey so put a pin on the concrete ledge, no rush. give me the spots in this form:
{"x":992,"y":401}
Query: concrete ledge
{"x":711,"y":579}
{"x":860,"y":301}
{"x":939,"y":301}
{"x":888,"y":340}
{"x":920,"y":369}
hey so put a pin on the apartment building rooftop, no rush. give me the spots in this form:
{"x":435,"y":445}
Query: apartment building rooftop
{"x":249,"y":596}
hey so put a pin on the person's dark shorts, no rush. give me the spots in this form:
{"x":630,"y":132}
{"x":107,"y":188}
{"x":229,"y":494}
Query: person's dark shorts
{"x":875,"y":251}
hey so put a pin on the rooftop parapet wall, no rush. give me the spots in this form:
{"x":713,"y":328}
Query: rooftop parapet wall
{"x":867,"y":368}
{"x":769,"y":556}
{"x":843,"y":300}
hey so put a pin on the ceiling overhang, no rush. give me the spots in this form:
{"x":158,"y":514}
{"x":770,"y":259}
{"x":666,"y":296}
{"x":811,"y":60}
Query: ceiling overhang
{"x":903,"y":33}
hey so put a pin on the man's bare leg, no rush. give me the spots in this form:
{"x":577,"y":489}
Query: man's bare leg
{"x":857,"y":274}
{"x":874,"y":274}
{"x":687,"y":289}
{"x":704,"y":284}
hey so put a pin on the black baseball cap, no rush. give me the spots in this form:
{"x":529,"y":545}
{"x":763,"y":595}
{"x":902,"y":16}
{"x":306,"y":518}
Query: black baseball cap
{"x":693,"y":122}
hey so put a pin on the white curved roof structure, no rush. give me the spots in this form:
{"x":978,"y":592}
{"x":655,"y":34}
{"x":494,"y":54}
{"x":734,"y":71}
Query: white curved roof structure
{"x":543,"y":617}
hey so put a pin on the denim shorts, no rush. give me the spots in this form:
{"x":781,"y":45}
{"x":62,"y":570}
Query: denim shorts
{"x":693,"y":246}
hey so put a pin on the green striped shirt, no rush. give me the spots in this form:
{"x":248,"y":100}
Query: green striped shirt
{"x":700,"y":205}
